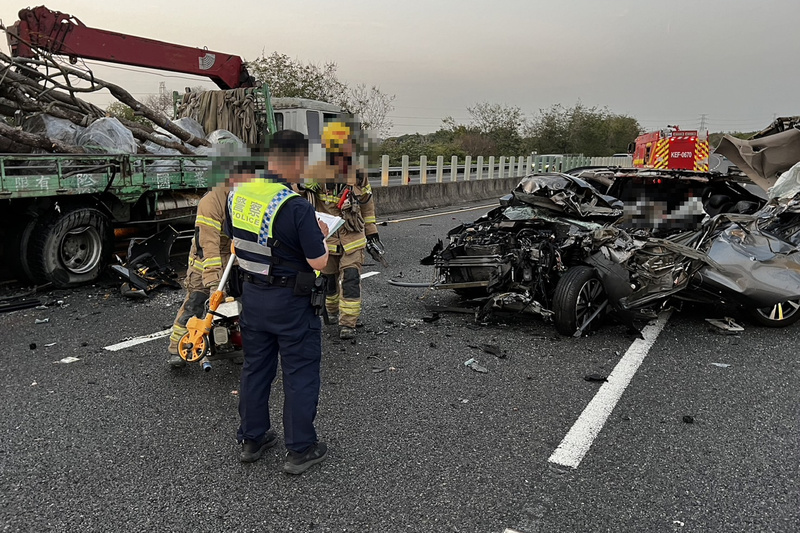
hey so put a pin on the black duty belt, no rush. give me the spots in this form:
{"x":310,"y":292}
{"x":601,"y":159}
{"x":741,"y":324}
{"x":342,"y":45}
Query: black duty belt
{"x":270,"y":281}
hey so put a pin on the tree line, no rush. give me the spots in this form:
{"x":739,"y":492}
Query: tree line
{"x":493,"y":129}
{"x":497,"y":129}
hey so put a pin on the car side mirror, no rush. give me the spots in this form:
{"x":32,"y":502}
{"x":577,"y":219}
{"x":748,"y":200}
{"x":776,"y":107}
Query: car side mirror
{"x":505,"y":200}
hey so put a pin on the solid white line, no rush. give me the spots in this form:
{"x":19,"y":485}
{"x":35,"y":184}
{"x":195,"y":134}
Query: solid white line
{"x":440,"y":214}
{"x":138,"y":340}
{"x":366,"y":275}
{"x":580,"y":438}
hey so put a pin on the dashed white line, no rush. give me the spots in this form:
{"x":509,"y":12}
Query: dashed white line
{"x":582,"y":434}
{"x":138,"y":340}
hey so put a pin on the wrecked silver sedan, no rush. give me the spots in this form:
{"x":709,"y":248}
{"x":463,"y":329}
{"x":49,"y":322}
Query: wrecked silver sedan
{"x":558,"y":247}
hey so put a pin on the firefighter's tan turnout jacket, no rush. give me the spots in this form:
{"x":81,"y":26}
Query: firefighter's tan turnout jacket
{"x":325,"y":192}
{"x":211,"y":248}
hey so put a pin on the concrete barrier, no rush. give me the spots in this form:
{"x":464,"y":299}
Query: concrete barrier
{"x":389,"y":200}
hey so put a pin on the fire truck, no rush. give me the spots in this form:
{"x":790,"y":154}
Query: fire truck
{"x":672,"y":149}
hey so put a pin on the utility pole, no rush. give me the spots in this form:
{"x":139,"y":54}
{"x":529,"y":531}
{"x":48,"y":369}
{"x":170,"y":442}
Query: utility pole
{"x":703,"y":118}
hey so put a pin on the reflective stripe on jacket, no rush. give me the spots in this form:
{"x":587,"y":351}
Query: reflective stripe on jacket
{"x":211,"y":248}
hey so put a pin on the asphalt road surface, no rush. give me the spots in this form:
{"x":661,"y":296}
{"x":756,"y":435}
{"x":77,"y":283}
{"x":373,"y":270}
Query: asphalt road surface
{"x":117,"y":441}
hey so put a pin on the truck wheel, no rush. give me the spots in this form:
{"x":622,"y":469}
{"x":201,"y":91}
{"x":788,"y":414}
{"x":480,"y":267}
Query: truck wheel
{"x":18,"y":251}
{"x":778,"y":316}
{"x":578,"y":294}
{"x":71,"y":248}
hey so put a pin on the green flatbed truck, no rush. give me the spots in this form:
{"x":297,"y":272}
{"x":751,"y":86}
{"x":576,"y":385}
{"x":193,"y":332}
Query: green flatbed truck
{"x":59,"y":213}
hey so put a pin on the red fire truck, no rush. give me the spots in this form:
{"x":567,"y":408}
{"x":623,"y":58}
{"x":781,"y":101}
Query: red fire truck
{"x":672,"y":148}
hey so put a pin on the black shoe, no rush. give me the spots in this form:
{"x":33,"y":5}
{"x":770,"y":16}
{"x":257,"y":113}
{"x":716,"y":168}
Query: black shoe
{"x":297,"y":463}
{"x":252,"y":451}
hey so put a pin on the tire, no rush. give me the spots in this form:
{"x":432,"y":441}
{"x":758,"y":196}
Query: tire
{"x":769,"y":316}
{"x":17,"y":252}
{"x":71,"y":248}
{"x":578,"y":294}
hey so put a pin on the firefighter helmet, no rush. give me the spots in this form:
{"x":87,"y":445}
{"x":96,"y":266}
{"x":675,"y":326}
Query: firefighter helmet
{"x":335,"y":135}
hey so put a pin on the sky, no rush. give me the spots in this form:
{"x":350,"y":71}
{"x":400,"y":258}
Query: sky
{"x":731,"y":63}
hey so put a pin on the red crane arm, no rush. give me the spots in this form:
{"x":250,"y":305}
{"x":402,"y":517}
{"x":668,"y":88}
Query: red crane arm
{"x":62,"y":34}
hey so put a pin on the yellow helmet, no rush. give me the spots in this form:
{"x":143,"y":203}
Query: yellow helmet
{"x":335,"y":135}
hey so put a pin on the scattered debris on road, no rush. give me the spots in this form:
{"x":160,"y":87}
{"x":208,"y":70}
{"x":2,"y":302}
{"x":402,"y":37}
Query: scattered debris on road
{"x":725,"y":325}
{"x":147,"y":267}
{"x":474,"y":365}
{"x":67,"y":360}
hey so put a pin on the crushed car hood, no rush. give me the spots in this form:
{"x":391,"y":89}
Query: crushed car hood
{"x":566,"y":194}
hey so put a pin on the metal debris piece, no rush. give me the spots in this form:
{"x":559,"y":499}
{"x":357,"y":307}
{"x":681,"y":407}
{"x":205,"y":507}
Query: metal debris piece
{"x":492,"y":349}
{"x":67,"y":360}
{"x":433,"y":318}
{"x":42,"y":320}
{"x":50,"y":344}
{"x":474,"y":365}
{"x":721,"y":365}
{"x":147,"y":266}
{"x":596,"y":378}
{"x":726,"y":325}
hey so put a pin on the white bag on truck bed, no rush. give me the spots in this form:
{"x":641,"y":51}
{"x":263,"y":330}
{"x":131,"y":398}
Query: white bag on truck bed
{"x":107,"y":135}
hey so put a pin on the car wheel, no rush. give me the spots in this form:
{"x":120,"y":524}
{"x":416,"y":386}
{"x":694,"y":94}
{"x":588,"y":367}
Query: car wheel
{"x":71,"y":248}
{"x":579,"y":293}
{"x":778,"y":316}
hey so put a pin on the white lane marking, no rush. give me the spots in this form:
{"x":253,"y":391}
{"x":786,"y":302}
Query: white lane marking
{"x":161,"y":334}
{"x":138,"y":340}
{"x":582,"y":434}
{"x":440,"y":214}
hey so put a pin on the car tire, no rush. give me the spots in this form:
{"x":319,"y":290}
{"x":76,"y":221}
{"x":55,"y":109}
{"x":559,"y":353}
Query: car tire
{"x":71,"y":248}
{"x":578,"y":294}
{"x":778,"y":316}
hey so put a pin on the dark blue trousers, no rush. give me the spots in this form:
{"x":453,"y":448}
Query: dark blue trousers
{"x":273,"y":322}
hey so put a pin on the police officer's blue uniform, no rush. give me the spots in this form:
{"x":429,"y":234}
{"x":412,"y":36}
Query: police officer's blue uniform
{"x":274,"y":230}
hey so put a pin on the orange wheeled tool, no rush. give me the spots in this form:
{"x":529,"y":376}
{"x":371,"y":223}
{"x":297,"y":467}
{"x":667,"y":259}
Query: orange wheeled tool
{"x":196,"y":343}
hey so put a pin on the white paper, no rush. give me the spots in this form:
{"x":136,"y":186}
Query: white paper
{"x":333,"y":223}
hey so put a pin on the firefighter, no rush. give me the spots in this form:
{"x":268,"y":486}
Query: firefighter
{"x":210,"y":249}
{"x":337,"y":187}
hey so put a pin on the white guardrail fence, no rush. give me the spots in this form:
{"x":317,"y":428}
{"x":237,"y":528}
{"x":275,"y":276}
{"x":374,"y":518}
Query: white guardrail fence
{"x":482,"y":168}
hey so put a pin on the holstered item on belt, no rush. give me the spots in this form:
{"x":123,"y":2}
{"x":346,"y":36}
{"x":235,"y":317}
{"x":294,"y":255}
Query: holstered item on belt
{"x":304,"y":286}
{"x":236,"y":282}
{"x":318,"y":297}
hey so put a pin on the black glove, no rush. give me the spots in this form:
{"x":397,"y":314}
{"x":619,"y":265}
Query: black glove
{"x":376,"y":249}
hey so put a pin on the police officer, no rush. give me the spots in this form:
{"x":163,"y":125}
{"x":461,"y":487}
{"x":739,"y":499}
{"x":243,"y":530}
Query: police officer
{"x":279,"y":243}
